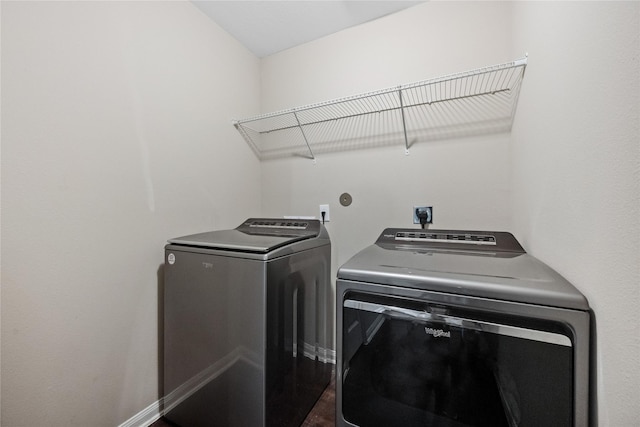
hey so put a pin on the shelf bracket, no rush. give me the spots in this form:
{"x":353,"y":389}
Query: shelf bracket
{"x":306,"y":141}
{"x":404,"y":124}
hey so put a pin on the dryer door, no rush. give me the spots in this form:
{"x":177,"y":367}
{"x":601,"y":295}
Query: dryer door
{"x":415,"y":363}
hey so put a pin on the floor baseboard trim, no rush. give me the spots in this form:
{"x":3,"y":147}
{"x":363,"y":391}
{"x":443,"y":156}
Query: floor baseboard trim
{"x":146,"y":417}
{"x":154,"y":411}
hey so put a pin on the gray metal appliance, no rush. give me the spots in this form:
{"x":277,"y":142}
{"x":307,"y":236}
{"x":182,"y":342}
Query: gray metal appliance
{"x":245,"y":324}
{"x":458,"y":328}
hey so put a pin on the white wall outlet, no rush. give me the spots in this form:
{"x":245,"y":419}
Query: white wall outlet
{"x":325,"y":209}
{"x":422,"y":210}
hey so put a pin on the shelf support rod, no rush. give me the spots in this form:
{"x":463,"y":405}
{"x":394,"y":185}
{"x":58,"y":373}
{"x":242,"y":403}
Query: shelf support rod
{"x":306,"y":141}
{"x":404,"y":124}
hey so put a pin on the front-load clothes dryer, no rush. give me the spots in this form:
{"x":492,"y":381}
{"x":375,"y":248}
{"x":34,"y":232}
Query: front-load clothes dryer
{"x":245,"y":324}
{"x":458,"y":329}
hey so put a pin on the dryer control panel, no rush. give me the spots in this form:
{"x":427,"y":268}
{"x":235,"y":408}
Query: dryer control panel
{"x":451,"y":239}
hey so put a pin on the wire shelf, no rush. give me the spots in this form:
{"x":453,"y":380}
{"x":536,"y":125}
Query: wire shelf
{"x":462,"y":104}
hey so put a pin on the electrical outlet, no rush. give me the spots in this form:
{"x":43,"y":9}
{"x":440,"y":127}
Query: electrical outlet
{"x":423,"y":210}
{"x":325,"y":209}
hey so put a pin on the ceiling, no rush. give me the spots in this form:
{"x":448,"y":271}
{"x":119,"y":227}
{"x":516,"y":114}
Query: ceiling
{"x":267,"y":27}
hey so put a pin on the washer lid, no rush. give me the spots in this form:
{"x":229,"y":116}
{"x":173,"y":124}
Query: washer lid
{"x":257,"y":235}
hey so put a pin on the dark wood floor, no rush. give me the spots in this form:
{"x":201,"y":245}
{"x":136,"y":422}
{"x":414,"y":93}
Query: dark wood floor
{"x":323,"y":413}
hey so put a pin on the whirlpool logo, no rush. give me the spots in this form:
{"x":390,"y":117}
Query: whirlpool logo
{"x":437,"y":333}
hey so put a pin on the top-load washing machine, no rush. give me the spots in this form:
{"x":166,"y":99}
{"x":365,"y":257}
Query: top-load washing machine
{"x":245,"y":324}
{"x":459,"y":328}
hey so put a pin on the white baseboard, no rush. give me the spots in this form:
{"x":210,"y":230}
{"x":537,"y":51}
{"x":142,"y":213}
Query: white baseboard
{"x":146,"y":417}
{"x":153,"y":412}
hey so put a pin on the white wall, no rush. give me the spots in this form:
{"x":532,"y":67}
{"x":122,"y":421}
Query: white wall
{"x":576,"y":169}
{"x":0,"y":226}
{"x":466,"y":180}
{"x":565,"y":180}
{"x":116,"y":135}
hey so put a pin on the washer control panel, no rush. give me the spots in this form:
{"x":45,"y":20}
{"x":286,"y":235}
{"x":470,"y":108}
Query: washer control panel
{"x":280,"y":227}
{"x":298,"y":225}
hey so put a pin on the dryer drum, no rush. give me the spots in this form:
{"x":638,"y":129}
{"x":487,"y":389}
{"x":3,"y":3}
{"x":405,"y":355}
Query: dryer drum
{"x":432,"y":334}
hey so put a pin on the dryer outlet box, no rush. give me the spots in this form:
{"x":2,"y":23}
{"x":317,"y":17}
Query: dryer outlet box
{"x":424,"y":211}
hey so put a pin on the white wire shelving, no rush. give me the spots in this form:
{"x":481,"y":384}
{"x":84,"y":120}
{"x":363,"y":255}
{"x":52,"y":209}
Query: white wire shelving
{"x":469,"y":103}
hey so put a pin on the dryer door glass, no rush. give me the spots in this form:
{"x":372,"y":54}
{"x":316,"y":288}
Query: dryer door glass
{"x":410,"y":363}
